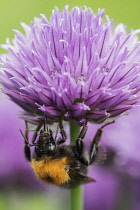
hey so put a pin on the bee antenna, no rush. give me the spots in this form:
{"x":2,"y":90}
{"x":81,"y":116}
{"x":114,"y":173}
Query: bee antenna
{"x":46,"y":125}
{"x":56,"y":132}
{"x":47,"y":128}
{"x":26,"y":141}
{"x":107,"y":124}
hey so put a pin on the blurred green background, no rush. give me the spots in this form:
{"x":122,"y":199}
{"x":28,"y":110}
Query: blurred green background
{"x":12,"y":12}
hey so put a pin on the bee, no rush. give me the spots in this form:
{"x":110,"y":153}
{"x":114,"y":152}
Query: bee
{"x":56,"y":163}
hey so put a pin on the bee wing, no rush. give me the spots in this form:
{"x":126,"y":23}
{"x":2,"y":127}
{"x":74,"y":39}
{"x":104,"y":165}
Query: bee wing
{"x":32,"y":127}
{"x":101,"y":156}
{"x":80,"y":178}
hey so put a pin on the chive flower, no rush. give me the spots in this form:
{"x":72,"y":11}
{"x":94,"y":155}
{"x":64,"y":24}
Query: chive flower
{"x":74,"y":65}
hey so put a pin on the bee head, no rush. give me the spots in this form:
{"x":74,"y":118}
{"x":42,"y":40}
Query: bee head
{"x":46,"y":144}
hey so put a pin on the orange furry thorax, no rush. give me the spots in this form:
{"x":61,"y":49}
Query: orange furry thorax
{"x":52,"y":170}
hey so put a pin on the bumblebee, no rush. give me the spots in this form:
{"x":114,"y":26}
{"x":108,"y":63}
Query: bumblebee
{"x":55,"y":163}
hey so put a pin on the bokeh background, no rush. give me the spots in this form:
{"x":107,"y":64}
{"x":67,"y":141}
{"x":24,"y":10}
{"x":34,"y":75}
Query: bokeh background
{"x":118,"y":178}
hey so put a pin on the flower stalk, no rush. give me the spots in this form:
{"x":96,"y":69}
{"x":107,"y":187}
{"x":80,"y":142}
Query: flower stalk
{"x":76,"y":198}
{"x":76,"y":194}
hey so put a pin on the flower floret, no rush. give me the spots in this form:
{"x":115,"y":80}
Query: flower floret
{"x":74,"y":65}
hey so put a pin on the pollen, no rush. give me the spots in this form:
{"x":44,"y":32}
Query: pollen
{"x":52,"y":170}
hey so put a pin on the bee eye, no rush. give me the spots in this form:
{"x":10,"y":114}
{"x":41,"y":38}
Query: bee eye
{"x":51,"y":147}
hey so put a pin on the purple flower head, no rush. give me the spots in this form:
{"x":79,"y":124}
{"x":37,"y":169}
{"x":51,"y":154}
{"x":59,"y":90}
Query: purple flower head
{"x":74,"y":65}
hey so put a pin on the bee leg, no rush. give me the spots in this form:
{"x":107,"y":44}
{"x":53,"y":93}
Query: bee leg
{"x":36,"y":132}
{"x":95,"y":143}
{"x":27,"y":145}
{"x":80,"y":146}
{"x":62,"y":132}
{"x":94,"y":146}
{"x":27,"y":151}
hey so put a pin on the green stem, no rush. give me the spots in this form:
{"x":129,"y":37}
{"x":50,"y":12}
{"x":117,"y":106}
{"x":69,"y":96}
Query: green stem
{"x":76,"y":193}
